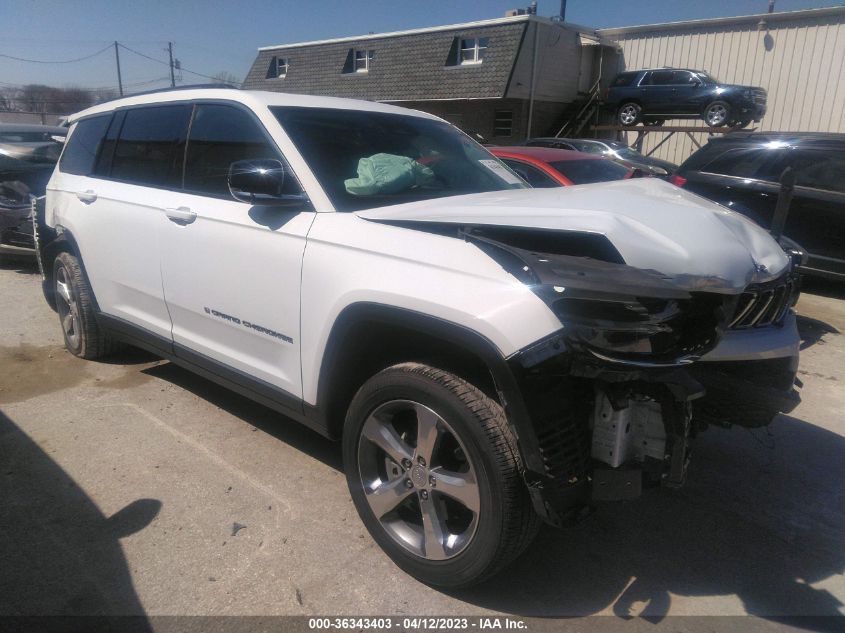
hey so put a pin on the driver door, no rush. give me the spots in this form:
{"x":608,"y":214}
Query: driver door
{"x":231,"y":270}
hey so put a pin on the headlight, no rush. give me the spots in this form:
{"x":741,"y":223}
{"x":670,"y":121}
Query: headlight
{"x":622,"y":312}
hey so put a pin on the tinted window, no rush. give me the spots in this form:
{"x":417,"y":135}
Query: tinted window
{"x":582,"y":172}
{"x":684,"y":77}
{"x":107,"y":150}
{"x":662,"y":77}
{"x":532,"y":175}
{"x":624,"y":79}
{"x":151,"y":146}
{"x":81,"y":151}
{"x":819,"y":170}
{"x":221,"y":135}
{"x":367,"y":159}
{"x":753,"y":162}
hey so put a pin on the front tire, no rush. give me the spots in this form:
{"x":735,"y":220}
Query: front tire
{"x":77,"y":315}
{"x":717,"y":114}
{"x":434,"y":471}
{"x":629,"y":114}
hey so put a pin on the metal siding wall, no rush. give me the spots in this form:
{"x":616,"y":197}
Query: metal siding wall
{"x":804,"y":72}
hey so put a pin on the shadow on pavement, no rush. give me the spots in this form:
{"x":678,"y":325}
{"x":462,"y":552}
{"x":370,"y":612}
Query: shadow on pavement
{"x":59,"y":555}
{"x":275,"y":424}
{"x":762,"y":518}
{"x":812,"y":330}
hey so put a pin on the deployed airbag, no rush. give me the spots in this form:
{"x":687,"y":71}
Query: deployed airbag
{"x":386,"y":174}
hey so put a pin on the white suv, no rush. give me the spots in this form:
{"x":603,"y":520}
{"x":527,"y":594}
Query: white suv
{"x":490,"y":355}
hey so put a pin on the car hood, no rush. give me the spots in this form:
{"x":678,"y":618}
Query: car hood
{"x":647,"y":161}
{"x":694,"y":243}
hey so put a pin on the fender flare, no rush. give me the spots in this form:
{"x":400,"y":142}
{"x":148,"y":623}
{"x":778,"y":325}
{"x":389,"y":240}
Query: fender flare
{"x":506,"y":383}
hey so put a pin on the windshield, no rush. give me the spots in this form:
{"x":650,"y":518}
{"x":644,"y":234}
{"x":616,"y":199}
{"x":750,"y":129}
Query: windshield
{"x":582,"y":172}
{"x":707,"y":78}
{"x":373,"y":159}
{"x":623,"y":151}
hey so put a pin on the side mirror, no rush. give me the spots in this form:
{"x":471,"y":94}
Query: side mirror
{"x":260,"y":181}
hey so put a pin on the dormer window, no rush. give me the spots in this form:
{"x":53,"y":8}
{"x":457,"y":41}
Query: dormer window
{"x":363,"y":60}
{"x":472,"y":50}
{"x":278,"y":68}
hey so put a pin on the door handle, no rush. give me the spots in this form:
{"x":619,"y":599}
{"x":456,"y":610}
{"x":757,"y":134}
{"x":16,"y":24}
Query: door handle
{"x":87,"y":196}
{"x":181,"y":215}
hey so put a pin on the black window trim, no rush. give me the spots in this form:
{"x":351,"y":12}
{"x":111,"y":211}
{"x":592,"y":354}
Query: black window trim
{"x":193,"y":103}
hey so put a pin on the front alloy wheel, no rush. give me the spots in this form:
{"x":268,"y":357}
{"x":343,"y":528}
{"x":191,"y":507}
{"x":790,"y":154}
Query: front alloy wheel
{"x":434,"y":471}
{"x":717,"y":114}
{"x":418,"y":480}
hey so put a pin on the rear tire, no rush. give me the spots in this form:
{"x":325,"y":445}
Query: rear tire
{"x":77,"y":316}
{"x":629,"y":114}
{"x":486,"y":524}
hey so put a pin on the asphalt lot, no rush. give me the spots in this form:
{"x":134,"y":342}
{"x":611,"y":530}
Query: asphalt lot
{"x":133,"y":487}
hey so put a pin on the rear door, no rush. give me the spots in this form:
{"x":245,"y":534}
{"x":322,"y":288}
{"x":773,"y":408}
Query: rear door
{"x":114,"y":207}
{"x":658,"y":95}
{"x":231,"y":270}
{"x":816,"y":218}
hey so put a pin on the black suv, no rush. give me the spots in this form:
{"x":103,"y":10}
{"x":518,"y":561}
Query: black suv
{"x":742,"y":171}
{"x":652,"y":96}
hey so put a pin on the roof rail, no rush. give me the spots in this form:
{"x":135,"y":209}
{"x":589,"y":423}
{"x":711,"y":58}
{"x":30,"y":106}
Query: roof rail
{"x":174,"y":89}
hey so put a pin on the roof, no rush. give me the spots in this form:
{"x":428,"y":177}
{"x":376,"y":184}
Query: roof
{"x":414,"y":65}
{"x":28,"y":127}
{"x":543,"y":154}
{"x":378,"y":36}
{"x":756,"y":17}
{"x":252,"y":98}
{"x":764,"y":137}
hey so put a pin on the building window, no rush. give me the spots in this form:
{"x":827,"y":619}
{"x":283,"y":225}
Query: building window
{"x":472,"y":50}
{"x":282,"y":67}
{"x":363,"y":61}
{"x":278,"y":68}
{"x":503,"y":123}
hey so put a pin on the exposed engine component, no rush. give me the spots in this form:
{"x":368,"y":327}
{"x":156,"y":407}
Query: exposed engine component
{"x":628,"y":434}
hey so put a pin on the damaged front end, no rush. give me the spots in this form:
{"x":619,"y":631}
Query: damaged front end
{"x":614,"y":397}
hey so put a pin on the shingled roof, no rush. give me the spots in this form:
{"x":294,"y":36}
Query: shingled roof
{"x":407,"y":66}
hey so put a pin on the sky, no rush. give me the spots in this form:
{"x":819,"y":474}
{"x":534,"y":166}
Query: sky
{"x":214,"y":36}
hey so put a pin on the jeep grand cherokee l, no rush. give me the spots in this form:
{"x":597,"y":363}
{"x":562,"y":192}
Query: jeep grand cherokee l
{"x":490,"y":355}
{"x":654,"y":95}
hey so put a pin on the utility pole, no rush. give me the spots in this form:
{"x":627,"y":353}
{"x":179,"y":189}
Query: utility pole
{"x":117,"y":59}
{"x":172,"y":76}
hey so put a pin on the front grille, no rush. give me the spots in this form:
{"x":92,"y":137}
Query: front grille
{"x":763,"y":305}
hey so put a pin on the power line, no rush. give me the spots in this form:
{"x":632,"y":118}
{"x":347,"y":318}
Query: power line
{"x":159,"y":61}
{"x":63,"y":61}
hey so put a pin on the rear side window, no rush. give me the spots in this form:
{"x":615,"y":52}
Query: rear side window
{"x":582,"y":172}
{"x":221,"y":135}
{"x":819,"y":170}
{"x":753,"y":163}
{"x":83,"y":145}
{"x":624,"y":79}
{"x":151,"y":146}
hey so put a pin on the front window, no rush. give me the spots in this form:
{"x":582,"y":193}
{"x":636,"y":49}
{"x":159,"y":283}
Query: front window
{"x":363,"y":60}
{"x":472,"y":50}
{"x":372,"y":159}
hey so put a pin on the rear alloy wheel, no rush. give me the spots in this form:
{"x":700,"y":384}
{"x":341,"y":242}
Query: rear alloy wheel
{"x":629,"y":114}
{"x":433,"y":470}
{"x":717,"y":114}
{"x":75,"y":306}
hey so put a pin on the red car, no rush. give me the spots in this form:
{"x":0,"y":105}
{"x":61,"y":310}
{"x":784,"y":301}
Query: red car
{"x":548,"y":167}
